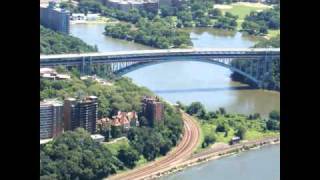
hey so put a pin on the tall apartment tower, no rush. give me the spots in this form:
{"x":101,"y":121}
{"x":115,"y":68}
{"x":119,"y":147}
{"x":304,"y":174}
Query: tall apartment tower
{"x":55,"y":18}
{"x":51,"y":119}
{"x":82,"y":113}
{"x":152,"y":109}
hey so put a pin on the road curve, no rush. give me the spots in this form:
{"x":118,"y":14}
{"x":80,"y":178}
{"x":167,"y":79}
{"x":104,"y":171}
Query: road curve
{"x":179,"y":154}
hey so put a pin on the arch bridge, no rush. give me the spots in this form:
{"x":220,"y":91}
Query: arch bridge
{"x":122,"y":62}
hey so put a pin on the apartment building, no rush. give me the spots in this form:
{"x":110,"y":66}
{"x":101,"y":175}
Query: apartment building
{"x":152,"y":109}
{"x":81,"y":113}
{"x":51,"y":118}
{"x":55,"y":18}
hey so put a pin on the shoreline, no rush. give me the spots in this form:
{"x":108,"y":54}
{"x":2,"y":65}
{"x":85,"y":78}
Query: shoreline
{"x":203,"y":157}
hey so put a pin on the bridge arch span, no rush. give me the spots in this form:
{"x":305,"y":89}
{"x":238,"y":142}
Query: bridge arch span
{"x":140,"y":65}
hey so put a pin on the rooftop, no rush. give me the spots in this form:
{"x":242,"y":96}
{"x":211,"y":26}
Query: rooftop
{"x":44,"y":141}
{"x":48,"y":102}
{"x":133,"y":1}
{"x":235,"y":138}
{"x":47,"y":70}
{"x":63,"y":76}
{"x":96,"y":136}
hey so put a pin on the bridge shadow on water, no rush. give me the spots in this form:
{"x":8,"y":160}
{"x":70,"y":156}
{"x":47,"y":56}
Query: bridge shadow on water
{"x":237,"y":88}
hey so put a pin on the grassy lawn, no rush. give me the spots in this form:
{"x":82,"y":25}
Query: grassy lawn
{"x":242,"y":10}
{"x":254,"y":129}
{"x":115,"y":147}
{"x":273,"y":33}
{"x":252,"y":134}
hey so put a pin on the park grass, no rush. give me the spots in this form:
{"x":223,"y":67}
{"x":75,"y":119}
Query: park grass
{"x":273,"y":33}
{"x":253,"y":135}
{"x":254,"y":131}
{"x":242,"y":10}
{"x":115,"y":147}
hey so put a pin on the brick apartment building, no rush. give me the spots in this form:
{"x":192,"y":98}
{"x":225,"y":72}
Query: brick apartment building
{"x":81,"y":113}
{"x":51,"y":119}
{"x":152,"y":109}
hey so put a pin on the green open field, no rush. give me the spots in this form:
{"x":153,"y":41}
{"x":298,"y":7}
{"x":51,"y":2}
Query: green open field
{"x":254,"y":129}
{"x":273,"y":33}
{"x":242,"y":10}
{"x":115,"y":147}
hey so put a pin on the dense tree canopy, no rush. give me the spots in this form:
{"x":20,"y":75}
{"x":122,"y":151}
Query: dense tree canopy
{"x":52,"y":42}
{"x":158,"y":33}
{"x":257,"y":23}
{"x":74,"y":155}
{"x":196,"y":108}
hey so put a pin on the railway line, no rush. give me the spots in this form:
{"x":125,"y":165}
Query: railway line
{"x":181,"y":153}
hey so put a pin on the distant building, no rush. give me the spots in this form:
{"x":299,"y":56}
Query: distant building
{"x":92,"y":17}
{"x":125,"y":120}
{"x":44,"y":141}
{"x":55,"y":18}
{"x":97,"y":79}
{"x":81,"y":113}
{"x":77,"y":16}
{"x":83,"y":17}
{"x":49,"y":73}
{"x":97,"y":138}
{"x":51,"y":118}
{"x":152,"y":109}
{"x":126,"y":5}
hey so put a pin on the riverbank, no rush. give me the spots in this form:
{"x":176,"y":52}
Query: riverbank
{"x":206,"y":156}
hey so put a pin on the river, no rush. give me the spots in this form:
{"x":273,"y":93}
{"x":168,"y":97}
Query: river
{"x":191,"y":81}
{"x":211,"y":85}
{"x":259,"y":164}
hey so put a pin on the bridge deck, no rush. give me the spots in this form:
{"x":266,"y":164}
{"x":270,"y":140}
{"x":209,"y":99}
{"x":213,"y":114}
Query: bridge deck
{"x":164,"y":52}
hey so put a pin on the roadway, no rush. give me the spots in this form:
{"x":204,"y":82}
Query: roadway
{"x":180,"y":153}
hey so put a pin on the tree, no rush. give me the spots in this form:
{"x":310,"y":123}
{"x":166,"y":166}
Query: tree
{"x":241,"y":132}
{"x":222,"y":127}
{"x":150,"y":149}
{"x":274,"y":115}
{"x":128,"y":156}
{"x":212,"y":115}
{"x":209,"y":139}
{"x":215,"y":13}
{"x":222,"y":111}
{"x":116,"y":131}
{"x":195,"y":108}
{"x":52,"y":42}
{"x":273,"y":125}
{"x":74,"y":155}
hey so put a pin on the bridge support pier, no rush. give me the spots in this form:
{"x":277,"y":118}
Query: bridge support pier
{"x":83,"y":66}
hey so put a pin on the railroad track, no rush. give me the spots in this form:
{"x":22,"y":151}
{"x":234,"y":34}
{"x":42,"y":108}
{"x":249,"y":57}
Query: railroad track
{"x":182,"y":152}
